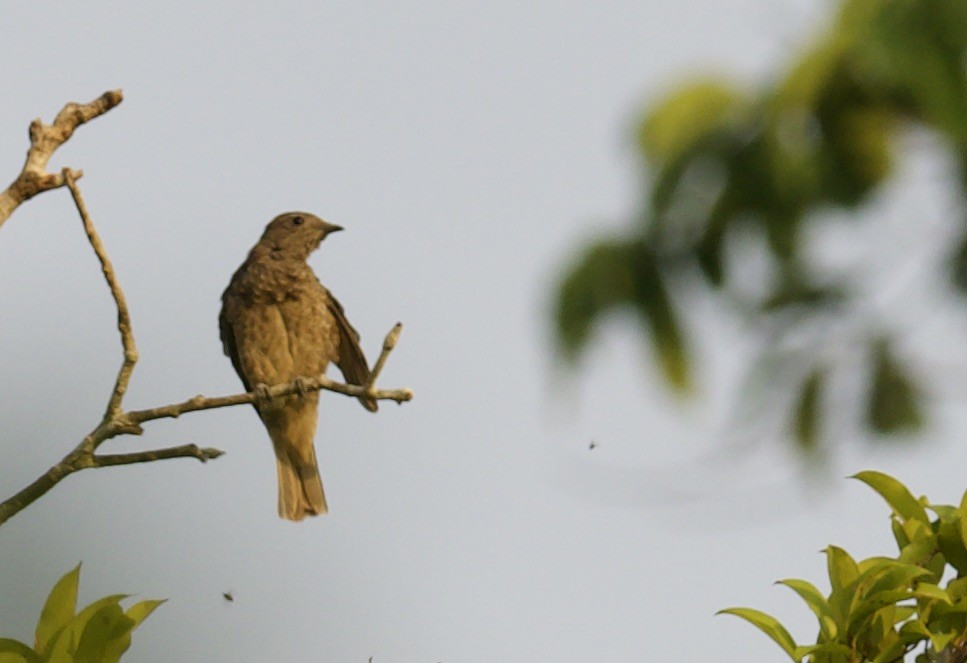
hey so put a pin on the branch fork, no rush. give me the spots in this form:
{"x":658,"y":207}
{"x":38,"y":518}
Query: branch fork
{"x":34,"y":179}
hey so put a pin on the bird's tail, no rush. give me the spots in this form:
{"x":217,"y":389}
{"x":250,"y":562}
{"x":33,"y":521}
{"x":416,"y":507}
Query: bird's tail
{"x":300,"y":487}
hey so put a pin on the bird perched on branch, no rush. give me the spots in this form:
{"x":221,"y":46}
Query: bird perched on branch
{"x":279,"y":324}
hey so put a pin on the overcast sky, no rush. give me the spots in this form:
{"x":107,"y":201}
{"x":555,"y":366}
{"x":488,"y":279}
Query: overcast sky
{"x":467,"y":148}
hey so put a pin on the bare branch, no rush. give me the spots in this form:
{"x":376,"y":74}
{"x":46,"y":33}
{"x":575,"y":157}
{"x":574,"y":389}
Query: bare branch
{"x":34,"y":179}
{"x":124,"y":318}
{"x":83,"y":456}
{"x":137,"y":417}
{"x":36,"y":490}
{"x":44,"y":141}
{"x":184,"y":451}
{"x":388,"y":344}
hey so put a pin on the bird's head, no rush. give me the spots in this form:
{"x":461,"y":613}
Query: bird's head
{"x":296,"y":234}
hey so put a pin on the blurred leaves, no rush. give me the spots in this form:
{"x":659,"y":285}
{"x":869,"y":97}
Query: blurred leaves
{"x":807,"y":410}
{"x":882,"y":608}
{"x":99,"y":633}
{"x":894,"y":399}
{"x":615,"y":274}
{"x":721,"y":162}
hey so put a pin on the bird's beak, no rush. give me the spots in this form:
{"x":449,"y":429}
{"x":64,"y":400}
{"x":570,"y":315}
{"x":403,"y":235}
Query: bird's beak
{"x":331,"y":227}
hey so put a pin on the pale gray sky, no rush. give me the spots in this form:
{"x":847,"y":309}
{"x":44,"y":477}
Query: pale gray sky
{"x":466,"y":147}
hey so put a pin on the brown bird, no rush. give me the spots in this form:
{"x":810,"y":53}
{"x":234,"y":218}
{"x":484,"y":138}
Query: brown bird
{"x":279,"y":324}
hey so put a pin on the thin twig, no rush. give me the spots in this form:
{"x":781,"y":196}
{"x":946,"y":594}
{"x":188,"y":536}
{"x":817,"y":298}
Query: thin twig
{"x":388,"y":344}
{"x":44,"y":141}
{"x":184,"y":451}
{"x":124,"y":318}
{"x":198,"y":403}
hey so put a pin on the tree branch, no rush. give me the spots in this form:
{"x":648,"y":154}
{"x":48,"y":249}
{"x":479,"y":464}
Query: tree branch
{"x":33,"y":180}
{"x":83,"y":456}
{"x":44,"y":141}
{"x":184,"y":451}
{"x":124,"y":318}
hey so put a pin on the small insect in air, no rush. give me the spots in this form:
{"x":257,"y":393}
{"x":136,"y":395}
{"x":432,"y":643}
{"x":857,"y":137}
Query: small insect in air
{"x":592,"y":445}
{"x":228,"y":596}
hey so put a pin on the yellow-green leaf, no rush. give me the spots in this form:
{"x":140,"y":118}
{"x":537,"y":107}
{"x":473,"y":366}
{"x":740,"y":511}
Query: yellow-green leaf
{"x":140,"y":611}
{"x":768,"y":625}
{"x":919,"y":552}
{"x":895,"y":493}
{"x":106,"y":625}
{"x":842,"y":569}
{"x":14,"y":651}
{"x":926,"y":590}
{"x":807,"y":410}
{"x":957,"y":588}
{"x":817,"y":603}
{"x":67,"y":641}
{"x":963,"y":519}
{"x":897,"y":577}
{"x":941,"y":640}
{"x":137,"y":613}
{"x":686,"y":117}
{"x":894,"y":404}
{"x":58,"y":610}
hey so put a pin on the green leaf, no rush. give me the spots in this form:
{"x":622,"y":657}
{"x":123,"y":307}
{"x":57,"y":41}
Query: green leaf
{"x":842,"y":569}
{"x":941,"y":640}
{"x":896,"y":495}
{"x":65,"y":645}
{"x":919,"y":552}
{"x":893,"y":652}
{"x":620,"y":274}
{"x":829,"y":652}
{"x":898,"y":577}
{"x":768,"y":625}
{"x":807,"y":410}
{"x":957,"y":588}
{"x":862,"y":612}
{"x":958,"y":267}
{"x":963,"y":519}
{"x":140,"y":611}
{"x":107,"y":624}
{"x":14,"y":651}
{"x":951,"y":545}
{"x":946,"y":513}
{"x":653,"y":303}
{"x":602,"y":278}
{"x":894,"y":405}
{"x":843,"y":572}
{"x":902,"y":540}
{"x":137,"y":613}
{"x":817,"y":603}
{"x":926,"y":590}
{"x":58,"y":610}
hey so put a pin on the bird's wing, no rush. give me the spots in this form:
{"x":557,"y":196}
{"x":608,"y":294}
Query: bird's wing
{"x":352,"y":361}
{"x":229,"y":345}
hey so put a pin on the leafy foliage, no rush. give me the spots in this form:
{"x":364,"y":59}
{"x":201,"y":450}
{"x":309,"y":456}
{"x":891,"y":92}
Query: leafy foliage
{"x":722,"y":162}
{"x":882,"y":608}
{"x":99,"y":633}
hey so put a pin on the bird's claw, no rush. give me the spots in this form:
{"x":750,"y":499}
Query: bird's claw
{"x":301,"y":386}
{"x":261,"y":394}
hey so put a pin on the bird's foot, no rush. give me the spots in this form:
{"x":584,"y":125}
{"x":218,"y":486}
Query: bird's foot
{"x":261,"y":394}
{"x":301,"y":387}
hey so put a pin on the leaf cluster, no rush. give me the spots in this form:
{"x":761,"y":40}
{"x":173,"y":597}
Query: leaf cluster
{"x":722,"y":163}
{"x":880,"y":609}
{"x":99,"y":633}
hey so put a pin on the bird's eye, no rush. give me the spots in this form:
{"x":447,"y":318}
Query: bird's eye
{"x":297,"y":220}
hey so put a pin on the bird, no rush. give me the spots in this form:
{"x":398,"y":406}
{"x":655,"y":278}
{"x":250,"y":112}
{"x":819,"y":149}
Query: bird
{"x":279,"y":324}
